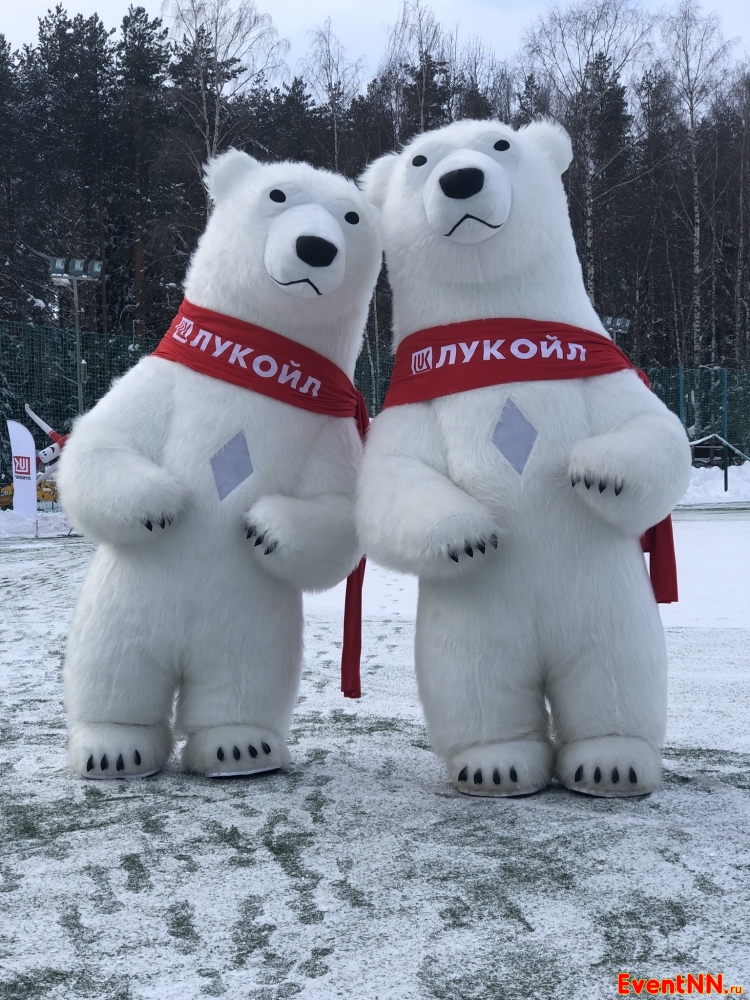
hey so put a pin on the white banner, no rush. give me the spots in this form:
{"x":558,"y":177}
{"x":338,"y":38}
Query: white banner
{"x":24,"y":470}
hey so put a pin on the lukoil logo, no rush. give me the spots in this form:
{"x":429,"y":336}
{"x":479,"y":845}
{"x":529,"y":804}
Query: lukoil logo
{"x":22,"y":466}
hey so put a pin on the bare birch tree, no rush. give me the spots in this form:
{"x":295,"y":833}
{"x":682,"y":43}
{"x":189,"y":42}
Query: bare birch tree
{"x":231,"y":45}
{"x":565,"y":44}
{"x":695,"y":55}
{"x":333,"y":79}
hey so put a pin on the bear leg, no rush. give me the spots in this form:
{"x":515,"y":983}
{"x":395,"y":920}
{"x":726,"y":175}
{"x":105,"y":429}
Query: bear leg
{"x":111,"y":750}
{"x":610,"y":766}
{"x":234,"y":750}
{"x":607,"y":687}
{"x":519,"y":767}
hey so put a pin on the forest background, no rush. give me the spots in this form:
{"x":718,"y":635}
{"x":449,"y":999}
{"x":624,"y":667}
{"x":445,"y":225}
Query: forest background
{"x":104,"y":132}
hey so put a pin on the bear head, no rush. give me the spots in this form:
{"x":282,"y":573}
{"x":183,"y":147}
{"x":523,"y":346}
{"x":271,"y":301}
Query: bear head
{"x":475,"y":225}
{"x":290,"y":248}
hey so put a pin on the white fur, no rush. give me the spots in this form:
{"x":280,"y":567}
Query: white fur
{"x":193,"y":606}
{"x":563,"y":608}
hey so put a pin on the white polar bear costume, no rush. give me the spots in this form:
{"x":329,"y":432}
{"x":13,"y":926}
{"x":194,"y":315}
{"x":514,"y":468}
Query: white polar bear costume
{"x":195,"y":590}
{"x":533,"y":590}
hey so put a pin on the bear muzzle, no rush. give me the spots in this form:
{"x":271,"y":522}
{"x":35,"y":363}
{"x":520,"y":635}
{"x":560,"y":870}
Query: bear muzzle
{"x":306,"y":251}
{"x":467,"y":197}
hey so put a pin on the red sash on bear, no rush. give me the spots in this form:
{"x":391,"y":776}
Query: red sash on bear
{"x":267,"y":363}
{"x":444,"y":360}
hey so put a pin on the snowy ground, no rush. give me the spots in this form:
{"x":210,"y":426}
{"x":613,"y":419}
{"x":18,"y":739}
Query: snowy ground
{"x":361,"y":873}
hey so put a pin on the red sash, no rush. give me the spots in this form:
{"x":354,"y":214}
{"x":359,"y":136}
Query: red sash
{"x":444,"y":360}
{"x":267,"y":363}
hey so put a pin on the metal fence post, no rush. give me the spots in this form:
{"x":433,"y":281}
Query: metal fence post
{"x":726,"y":429}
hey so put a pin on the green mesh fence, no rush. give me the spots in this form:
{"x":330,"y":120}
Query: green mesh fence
{"x":37,"y":366}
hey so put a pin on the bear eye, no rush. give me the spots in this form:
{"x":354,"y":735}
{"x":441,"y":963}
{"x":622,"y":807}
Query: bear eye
{"x":277,"y":195}
{"x":501,"y":145}
{"x":352,"y":218}
{"x":419,"y":161}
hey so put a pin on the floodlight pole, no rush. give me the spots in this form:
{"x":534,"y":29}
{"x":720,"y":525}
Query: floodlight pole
{"x":79,"y":381}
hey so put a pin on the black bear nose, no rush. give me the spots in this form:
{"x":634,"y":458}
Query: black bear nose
{"x":315,"y":251}
{"x":462,"y":183}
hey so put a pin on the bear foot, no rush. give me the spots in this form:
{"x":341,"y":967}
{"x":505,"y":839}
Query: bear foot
{"x":105,"y":750}
{"x":611,"y":766}
{"x":502,"y":769}
{"x":231,"y":751}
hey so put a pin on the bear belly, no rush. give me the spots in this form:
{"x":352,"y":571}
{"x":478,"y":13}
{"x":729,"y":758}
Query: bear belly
{"x":508,"y":446}
{"x":230,"y":446}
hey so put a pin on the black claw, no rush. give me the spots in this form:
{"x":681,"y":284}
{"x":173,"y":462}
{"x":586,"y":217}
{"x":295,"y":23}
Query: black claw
{"x":120,"y":765}
{"x":481,"y":546}
{"x":513,"y":775}
{"x":618,"y":487}
{"x":251,"y":531}
{"x":493,"y":541}
{"x":148,"y":524}
{"x":632,"y":775}
{"x":496,"y":776}
{"x":161,"y":522}
{"x":266,"y":748}
{"x":169,"y":519}
{"x":137,"y":758}
{"x":236,"y":753}
{"x":602,"y":485}
{"x":270,"y":548}
{"x":90,"y":763}
{"x":579,"y":772}
{"x":468,"y":550}
{"x":587,"y":481}
{"x":478,"y":776}
{"x":251,"y":750}
{"x":104,"y":763}
{"x":463,"y":774}
{"x":220,"y":753}
{"x":452,"y":554}
{"x":615,"y":775}
{"x":573,"y":481}
{"x":597,"y":775}
{"x":260,"y":538}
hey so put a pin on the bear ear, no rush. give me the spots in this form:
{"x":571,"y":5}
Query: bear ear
{"x":553,"y":140}
{"x":374,"y":181}
{"x":223,"y":173}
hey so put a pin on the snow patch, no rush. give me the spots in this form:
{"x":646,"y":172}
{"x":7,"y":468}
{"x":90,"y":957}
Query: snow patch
{"x":12,"y":525}
{"x":707,"y":486}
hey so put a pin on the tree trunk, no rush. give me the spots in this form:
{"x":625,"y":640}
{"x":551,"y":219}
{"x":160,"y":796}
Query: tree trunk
{"x":139,"y":327}
{"x":10,"y":271}
{"x":589,"y":210}
{"x":696,"y":254}
{"x":739,"y":340}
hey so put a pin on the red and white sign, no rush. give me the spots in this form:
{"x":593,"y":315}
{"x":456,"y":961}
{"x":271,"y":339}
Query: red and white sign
{"x":24,"y":470}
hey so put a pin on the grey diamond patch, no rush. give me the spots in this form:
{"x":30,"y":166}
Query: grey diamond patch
{"x":231,"y":465}
{"x":514,"y":436}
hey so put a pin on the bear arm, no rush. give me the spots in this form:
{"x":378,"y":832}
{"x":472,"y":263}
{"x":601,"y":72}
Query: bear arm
{"x":309,"y":543}
{"x":636,"y":472}
{"x":110,"y":480}
{"x":410,"y":514}
{"x":311,"y":530}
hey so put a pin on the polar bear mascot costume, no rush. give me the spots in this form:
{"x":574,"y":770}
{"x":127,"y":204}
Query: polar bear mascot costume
{"x":516,"y":465}
{"x":218,"y":477}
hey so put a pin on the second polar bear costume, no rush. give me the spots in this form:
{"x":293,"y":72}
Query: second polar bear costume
{"x":519,"y":506}
{"x":215,"y":506}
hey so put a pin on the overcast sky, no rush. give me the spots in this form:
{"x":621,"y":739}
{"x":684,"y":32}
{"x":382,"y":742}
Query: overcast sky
{"x":359,"y":23}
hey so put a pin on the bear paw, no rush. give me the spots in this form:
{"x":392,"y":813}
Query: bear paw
{"x":611,"y":766}
{"x":502,"y":769}
{"x":111,"y":750}
{"x":231,"y":751}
